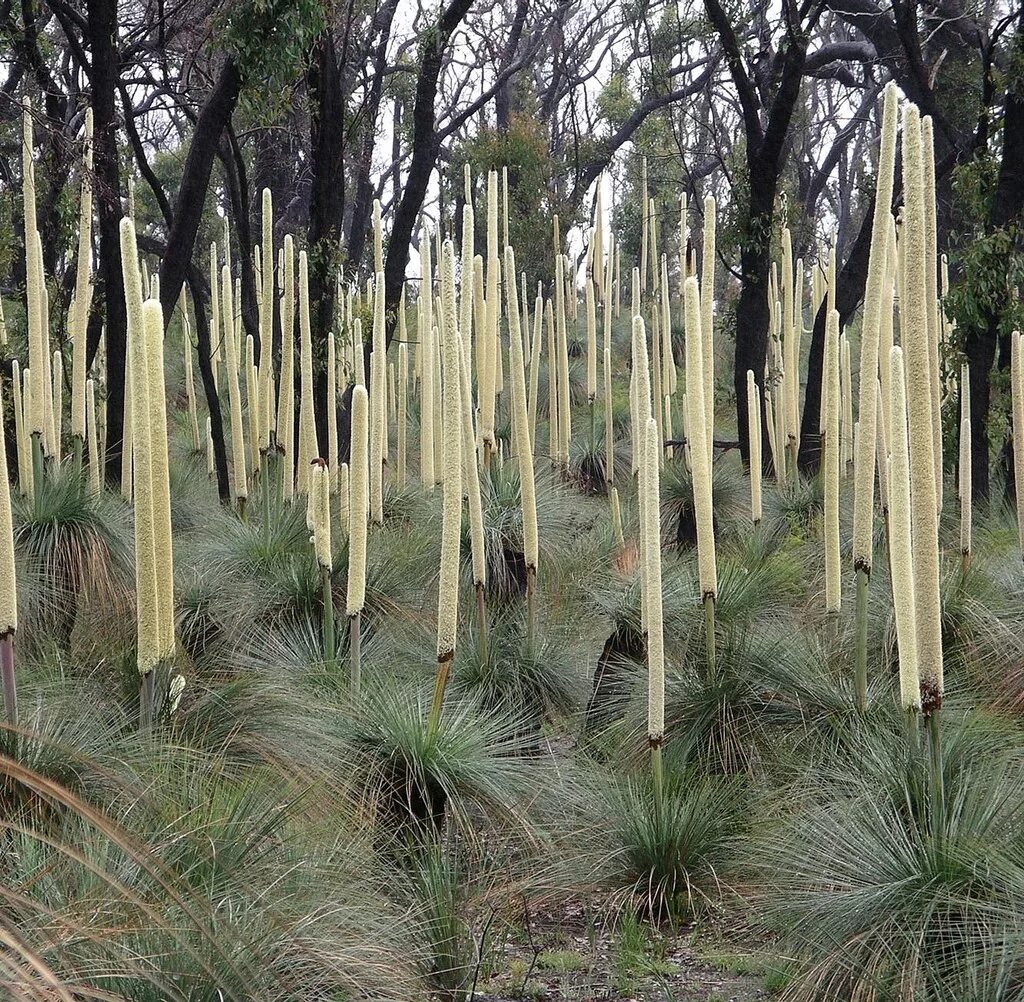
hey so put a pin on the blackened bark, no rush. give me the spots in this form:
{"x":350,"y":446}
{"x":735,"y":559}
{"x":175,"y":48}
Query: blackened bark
{"x":238,"y":195}
{"x":425,"y":145}
{"x":764,"y":149}
{"x":195,"y":181}
{"x":101,"y":31}
{"x":363,"y":207}
{"x":1006,"y":210}
{"x":851,"y":280}
{"x":326,"y":211}
{"x":220,"y":455}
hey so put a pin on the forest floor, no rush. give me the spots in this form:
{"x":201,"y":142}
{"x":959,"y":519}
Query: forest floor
{"x":570,"y":955}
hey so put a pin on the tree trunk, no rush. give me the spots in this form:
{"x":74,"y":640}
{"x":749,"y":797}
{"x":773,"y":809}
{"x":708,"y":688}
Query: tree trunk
{"x":851,"y":280}
{"x":101,"y":31}
{"x":1006,"y":209}
{"x":752,"y":306}
{"x":195,"y":182}
{"x":326,"y":211}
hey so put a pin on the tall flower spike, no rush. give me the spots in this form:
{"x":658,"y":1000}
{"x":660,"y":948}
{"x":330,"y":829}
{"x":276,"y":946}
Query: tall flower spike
{"x":901,"y":536}
{"x":320,"y":510}
{"x":94,"y":449}
{"x":8,"y":589}
{"x":652,"y":600}
{"x":864,"y":463}
{"x":451,"y":519}
{"x":833,"y":591}
{"x":286,"y":397}
{"x":707,"y":296}
{"x":922,"y":463}
{"x":699,"y":457}
{"x":358,"y":501}
{"x":307,"y":449}
{"x":1017,"y":398}
{"x":238,"y":462}
{"x":146,"y":584}
{"x":521,"y":422}
{"x":378,"y":391}
{"x":163,"y":553}
{"x":83,"y":291}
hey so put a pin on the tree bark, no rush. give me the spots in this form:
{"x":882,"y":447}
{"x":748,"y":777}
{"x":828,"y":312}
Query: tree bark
{"x":326,"y":211}
{"x":1007,"y":209}
{"x":195,"y":182}
{"x":101,"y":34}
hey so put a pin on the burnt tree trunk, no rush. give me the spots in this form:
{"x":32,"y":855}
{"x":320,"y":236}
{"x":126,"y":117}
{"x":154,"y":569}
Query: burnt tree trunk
{"x":326,"y":211}
{"x":195,"y":182}
{"x":101,"y":34}
{"x":1006,"y":210}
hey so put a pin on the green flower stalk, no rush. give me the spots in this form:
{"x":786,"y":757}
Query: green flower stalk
{"x":238,"y":465}
{"x":535,"y":353}
{"x":700,"y":460}
{"x":524,"y":445}
{"x":358,"y":514}
{"x":754,"y":439}
{"x":833,"y":591}
{"x":8,"y":584}
{"x":82,"y":301}
{"x":653,"y":611}
{"x":94,"y":448}
{"x":451,"y":518}
{"x":286,"y":396}
{"x":901,"y":558}
{"x":922,"y":464}
{"x":308,"y":449}
{"x":378,"y":404}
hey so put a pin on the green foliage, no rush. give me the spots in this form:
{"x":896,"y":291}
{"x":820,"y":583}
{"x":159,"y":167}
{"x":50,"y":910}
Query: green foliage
{"x":533,"y":194}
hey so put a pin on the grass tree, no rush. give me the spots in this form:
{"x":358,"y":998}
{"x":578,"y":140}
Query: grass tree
{"x":923,"y":492}
{"x":451,"y":518}
{"x":700,"y":460}
{"x":358,"y":513}
{"x":8,"y":585}
{"x":864,"y":463}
